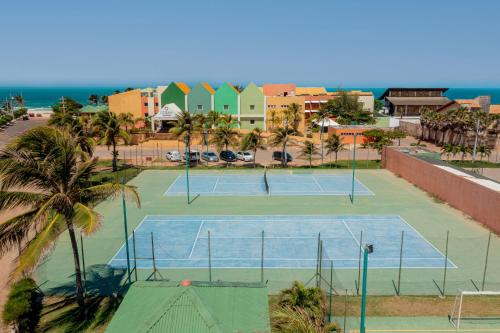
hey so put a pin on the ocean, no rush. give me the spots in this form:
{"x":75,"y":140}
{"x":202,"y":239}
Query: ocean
{"x":41,"y":97}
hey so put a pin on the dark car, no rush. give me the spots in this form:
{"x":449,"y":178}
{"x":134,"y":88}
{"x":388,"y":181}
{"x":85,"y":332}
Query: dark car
{"x":227,"y":156}
{"x":194,"y":156}
{"x":278,"y":156}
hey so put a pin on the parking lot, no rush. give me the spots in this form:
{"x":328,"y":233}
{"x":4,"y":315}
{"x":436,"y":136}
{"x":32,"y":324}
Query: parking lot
{"x":19,"y":127}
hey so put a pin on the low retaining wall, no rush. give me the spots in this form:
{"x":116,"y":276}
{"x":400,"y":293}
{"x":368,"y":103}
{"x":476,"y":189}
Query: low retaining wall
{"x":475,"y":200}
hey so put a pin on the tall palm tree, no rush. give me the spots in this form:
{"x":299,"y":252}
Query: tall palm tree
{"x":293,"y":116}
{"x":225,"y":134}
{"x":298,"y":295}
{"x":213,"y":118}
{"x":19,"y":100}
{"x":447,"y":150}
{"x":253,"y":141}
{"x":334,"y":145}
{"x":41,"y":171}
{"x":186,"y":127}
{"x":308,"y":151}
{"x":483,"y":151}
{"x":281,"y":137}
{"x":109,"y":129}
{"x":320,"y":117}
{"x":126,"y":119}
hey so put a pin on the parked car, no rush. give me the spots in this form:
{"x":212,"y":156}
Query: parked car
{"x":244,"y":156}
{"x":227,"y":156}
{"x":194,"y":156}
{"x":26,"y":117}
{"x":209,"y":156}
{"x":173,"y":156}
{"x":278,"y":156}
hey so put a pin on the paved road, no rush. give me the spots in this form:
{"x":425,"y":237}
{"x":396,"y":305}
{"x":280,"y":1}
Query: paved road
{"x":19,"y":127}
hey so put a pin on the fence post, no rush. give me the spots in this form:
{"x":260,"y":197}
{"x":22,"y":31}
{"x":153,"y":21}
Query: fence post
{"x":331,"y":292}
{"x":135,"y":257}
{"x":400,"y":262}
{"x":359,"y":263}
{"x":153,"y":256}
{"x":486,"y":261}
{"x":318,"y":259}
{"x":445,"y":263}
{"x":345,"y":310}
{"x":262,"y":260}
{"x":320,"y":263}
{"x":209,"y":259}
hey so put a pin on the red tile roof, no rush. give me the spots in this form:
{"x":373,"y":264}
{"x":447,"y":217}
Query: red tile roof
{"x":271,"y":89}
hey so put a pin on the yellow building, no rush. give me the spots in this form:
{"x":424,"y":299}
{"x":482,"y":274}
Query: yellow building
{"x":275,"y":105}
{"x":129,"y":101}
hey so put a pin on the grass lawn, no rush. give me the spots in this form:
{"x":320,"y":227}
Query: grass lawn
{"x":475,"y":164}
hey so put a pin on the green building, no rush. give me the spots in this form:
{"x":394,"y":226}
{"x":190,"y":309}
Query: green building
{"x":201,"y":98}
{"x":252,"y":108}
{"x":227,"y":100}
{"x":165,"y":307}
{"x":177,"y":93}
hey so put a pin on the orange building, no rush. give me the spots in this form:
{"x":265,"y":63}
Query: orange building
{"x":347,"y":132}
{"x":275,"y":105}
{"x":140,"y":103}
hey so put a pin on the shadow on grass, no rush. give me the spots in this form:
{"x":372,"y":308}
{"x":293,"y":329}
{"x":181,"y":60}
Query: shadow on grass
{"x":103,"y":287}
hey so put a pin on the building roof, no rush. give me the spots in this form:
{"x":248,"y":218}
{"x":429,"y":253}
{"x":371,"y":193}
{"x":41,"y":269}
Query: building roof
{"x":231,"y":85}
{"x":208,"y":87}
{"x":310,"y":91}
{"x":418,"y":100}
{"x":201,"y":307}
{"x":272,"y":89}
{"x":352,"y":92}
{"x":184,"y":87}
{"x":495,"y":108}
{"x":93,"y":108}
{"x":386,"y":92}
{"x":473,"y":103}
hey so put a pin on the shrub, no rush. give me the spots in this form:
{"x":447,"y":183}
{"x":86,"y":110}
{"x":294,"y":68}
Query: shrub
{"x":23,"y":307}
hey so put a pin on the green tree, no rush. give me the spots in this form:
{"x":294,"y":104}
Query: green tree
{"x":126,"y":119}
{"x":47,"y":159}
{"x":225,"y":134}
{"x":378,"y":139}
{"x":104,"y":99}
{"x":292,"y":116}
{"x":398,"y":134}
{"x":286,"y":319}
{"x":464,"y":150}
{"x":334,"y":145}
{"x":23,"y":307}
{"x":108,"y":128}
{"x":483,"y":151}
{"x":186,"y":126}
{"x":447,"y":150}
{"x":298,"y":295}
{"x":253,"y":141}
{"x":309,"y":151}
{"x":320,"y":117}
{"x":64,"y":112}
{"x":93,"y":99}
{"x":19,"y":100}
{"x":213,"y":119}
{"x":281,"y":137}
{"x":347,"y":110}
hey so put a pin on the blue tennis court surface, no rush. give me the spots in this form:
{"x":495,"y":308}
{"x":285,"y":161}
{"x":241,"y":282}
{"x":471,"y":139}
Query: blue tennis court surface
{"x":289,"y":242}
{"x":283,"y":184}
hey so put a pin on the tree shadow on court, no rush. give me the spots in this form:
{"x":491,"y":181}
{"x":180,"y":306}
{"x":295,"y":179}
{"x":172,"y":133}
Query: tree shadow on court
{"x":104,"y":288}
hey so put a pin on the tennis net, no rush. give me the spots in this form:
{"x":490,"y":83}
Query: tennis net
{"x":266,"y":183}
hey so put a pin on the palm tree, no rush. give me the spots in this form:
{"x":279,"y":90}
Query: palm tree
{"x":273,"y":118}
{"x":253,"y":141}
{"x":104,"y":99}
{"x":19,"y":100}
{"x":225,"y":134}
{"x":41,"y":170}
{"x":298,"y":295}
{"x":185,"y":127}
{"x":334,"y":145}
{"x":281,"y":137}
{"x":293,"y":116}
{"x":286,"y":319}
{"x":464,"y":150}
{"x":308,"y":151}
{"x":320,"y":117}
{"x":126,"y":119}
{"x":213,"y":118}
{"x":447,"y":150}
{"x":483,"y":151}
{"x":109,"y":129}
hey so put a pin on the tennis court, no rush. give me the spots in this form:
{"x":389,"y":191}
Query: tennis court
{"x":278,"y":241}
{"x":272,"y":184}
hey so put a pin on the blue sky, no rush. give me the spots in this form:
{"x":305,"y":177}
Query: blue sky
{"x":335,"y":43}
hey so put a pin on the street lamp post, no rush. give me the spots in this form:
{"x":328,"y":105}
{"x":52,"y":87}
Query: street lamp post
{"x":367,"y":249}
{"x":186,"y":142}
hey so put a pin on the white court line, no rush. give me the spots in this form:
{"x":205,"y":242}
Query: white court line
{"x":352,"y":235}
{"x":168,"y":189}
{"x":129,"y":237}
{"x":285,"y":259}
{"x":425,"y":239}
{"x":319,"y":185}
{"x":215,"y":185}
{"x":195,"y":240}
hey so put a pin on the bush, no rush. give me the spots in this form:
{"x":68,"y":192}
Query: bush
{"x":20,"y":112}
{"x":23,"y":307}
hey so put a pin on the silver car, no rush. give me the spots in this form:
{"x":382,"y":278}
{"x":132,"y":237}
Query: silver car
{"x":245,"y":156}
{"x":173,"y":156}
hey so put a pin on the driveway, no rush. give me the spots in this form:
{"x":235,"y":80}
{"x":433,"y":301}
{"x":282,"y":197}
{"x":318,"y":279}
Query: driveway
{"x":19,"y":127}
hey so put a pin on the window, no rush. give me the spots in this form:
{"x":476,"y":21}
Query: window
{"x":146,"y":114}
{"x":156,"y":104}
{"x":199,"y":107}
{"x":226,"y":107}
{"x":252,"y":122}
{"x":146,"y":104}
{"x":252,"y":107}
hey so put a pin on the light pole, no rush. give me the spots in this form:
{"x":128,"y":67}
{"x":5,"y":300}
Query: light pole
{"x":186,"y":142}
{"x":351,"y":196}
{"x":367,"y":249}
{"x":125,"y":227}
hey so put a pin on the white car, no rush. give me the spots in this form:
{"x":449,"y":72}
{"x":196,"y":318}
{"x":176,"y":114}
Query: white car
{"x":244,"y":156}
{"x":173,"y":156}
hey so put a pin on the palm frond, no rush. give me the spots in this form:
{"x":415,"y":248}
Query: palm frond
{"x":111,"y":190}
{"x":14,"y":230}
{"x":40,"y":245}
{"x":86,"y":219}
{"x":11,"y":199}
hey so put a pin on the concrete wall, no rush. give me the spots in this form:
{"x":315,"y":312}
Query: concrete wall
{"x":479,"y":202}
